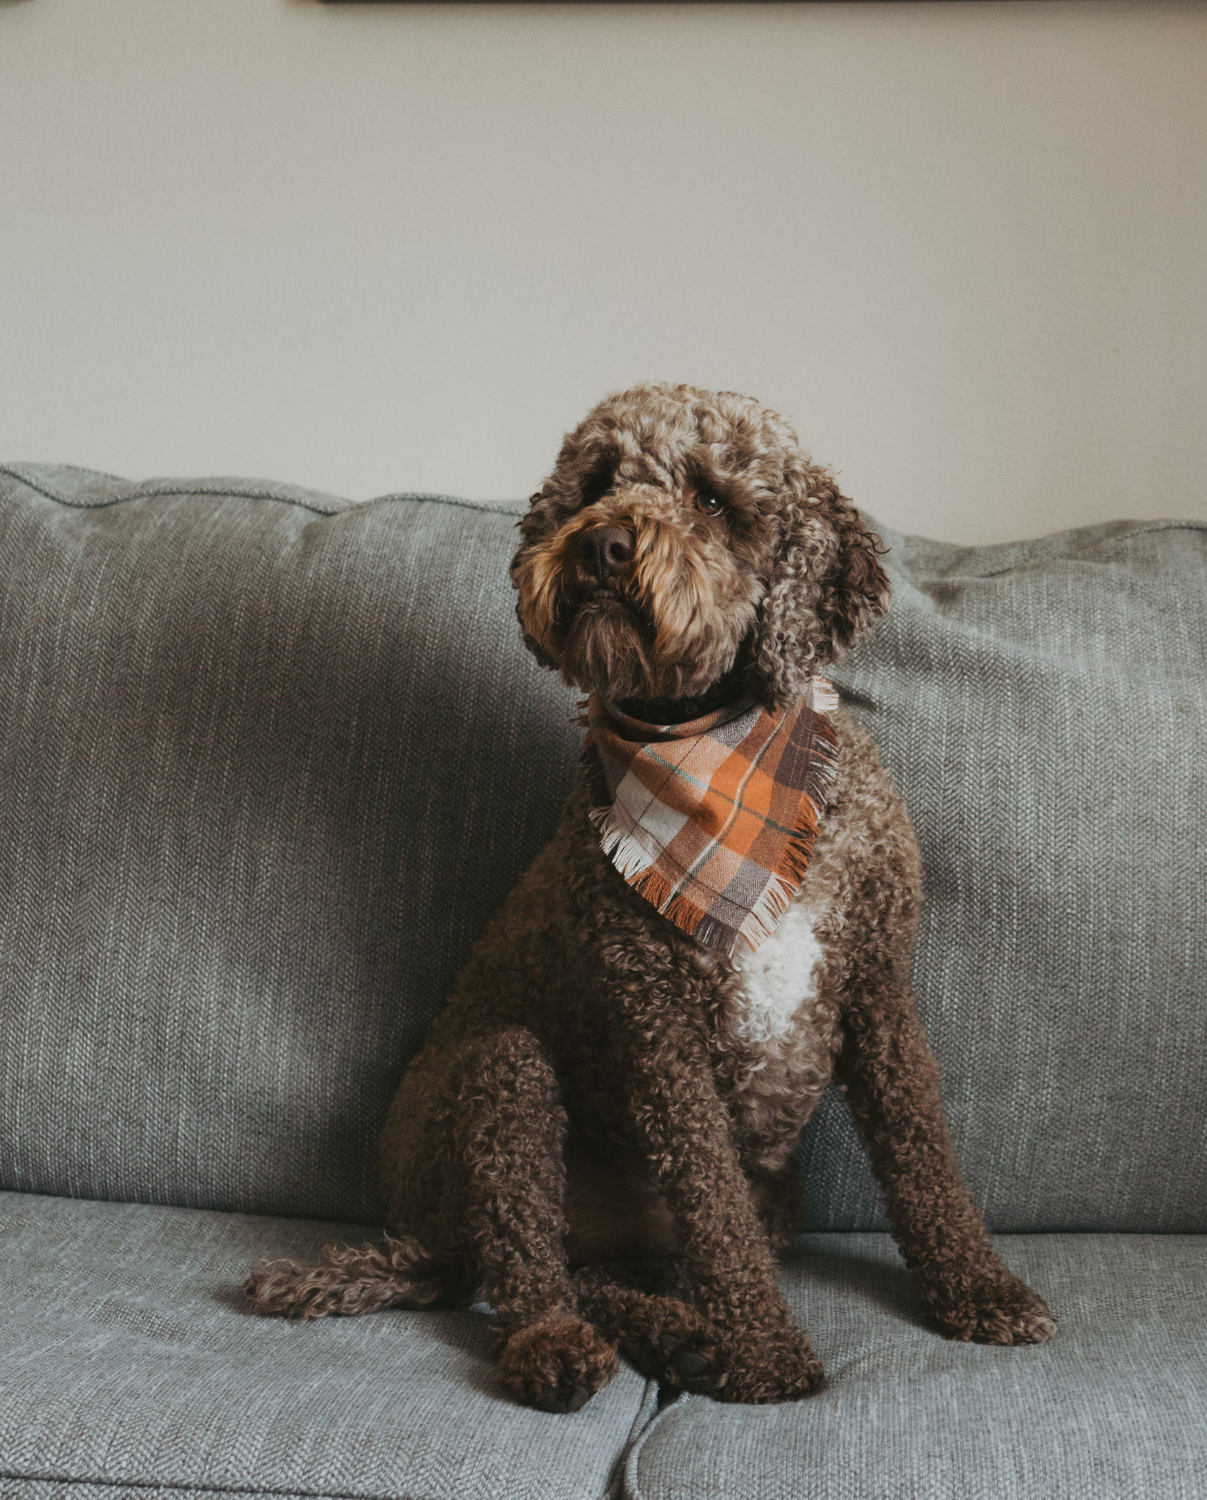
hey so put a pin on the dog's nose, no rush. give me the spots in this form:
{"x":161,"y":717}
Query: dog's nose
{"x":604,"y":550}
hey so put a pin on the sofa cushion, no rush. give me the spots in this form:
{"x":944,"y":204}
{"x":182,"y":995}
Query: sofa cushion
{"x":269,"y":759}
{"x":268,"y":762}
{"x":1112,"y":1408}
{"x":1043,"y":706}
{"x":127,"y":1359}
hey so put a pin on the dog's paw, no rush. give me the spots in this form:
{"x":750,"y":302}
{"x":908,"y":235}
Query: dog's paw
{"x":684,"y":1351}
{"x":676,"y":1346}
{"x":999,"y":1310}
{"x":772,"y":1368}
{"x":556,"y":1364}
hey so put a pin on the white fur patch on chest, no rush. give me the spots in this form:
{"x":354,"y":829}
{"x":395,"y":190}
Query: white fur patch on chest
{"x":776,"y":982}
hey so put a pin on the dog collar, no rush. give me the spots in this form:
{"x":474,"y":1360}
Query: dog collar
{"x":712,"y":822}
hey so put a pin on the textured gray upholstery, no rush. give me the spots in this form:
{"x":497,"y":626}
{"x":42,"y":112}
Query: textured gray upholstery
{"x":268,"y":760}
{"x":1043,"y":706}
{"x":126,"y":1358}
{"x":1112,"y":1409}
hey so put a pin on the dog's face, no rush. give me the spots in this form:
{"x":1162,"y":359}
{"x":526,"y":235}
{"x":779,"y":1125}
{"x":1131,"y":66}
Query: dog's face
{"x":682,"y":541}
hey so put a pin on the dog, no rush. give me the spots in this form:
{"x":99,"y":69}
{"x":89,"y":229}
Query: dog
{"x":598,"y":1132}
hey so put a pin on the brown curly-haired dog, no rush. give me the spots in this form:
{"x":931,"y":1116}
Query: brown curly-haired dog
{"x":598,"y":1131}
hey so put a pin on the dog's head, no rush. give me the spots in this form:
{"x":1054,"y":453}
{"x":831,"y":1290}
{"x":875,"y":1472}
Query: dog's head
{"x":684,"y":541}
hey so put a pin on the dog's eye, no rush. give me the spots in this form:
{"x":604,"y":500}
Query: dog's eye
{"x":595,"y":487}
{"x":708,"y":503}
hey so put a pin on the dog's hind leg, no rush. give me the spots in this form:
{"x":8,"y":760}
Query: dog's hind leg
{"x":508,"y":1132}
{"x":644,"y":1306}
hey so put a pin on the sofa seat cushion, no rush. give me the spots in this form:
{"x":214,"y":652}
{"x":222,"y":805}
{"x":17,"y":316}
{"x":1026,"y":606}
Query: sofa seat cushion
{"x":1111,"y":1409}
{"x":127,"y":1360}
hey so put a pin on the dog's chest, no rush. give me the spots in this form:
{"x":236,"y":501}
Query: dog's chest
{"x":780,"y":1027}
{"x":777,"y":981}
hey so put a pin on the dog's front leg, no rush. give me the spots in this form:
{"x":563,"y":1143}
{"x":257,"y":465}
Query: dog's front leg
{"x":758,"y":1354}
{"x":507,"y":1138}
{"x":892,"y":1086}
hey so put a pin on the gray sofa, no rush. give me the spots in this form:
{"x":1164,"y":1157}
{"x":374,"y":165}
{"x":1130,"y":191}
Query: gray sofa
{"x":268,"y":760}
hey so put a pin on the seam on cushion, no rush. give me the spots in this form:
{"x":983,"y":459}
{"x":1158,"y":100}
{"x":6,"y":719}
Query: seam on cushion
{"x":1142,"y":529}
{"x":632,"y":1490}
{"x":75,"y":469}
{"x":647,"y":1411}
{"x":152,"y":1486}
{"x":505,"y":508}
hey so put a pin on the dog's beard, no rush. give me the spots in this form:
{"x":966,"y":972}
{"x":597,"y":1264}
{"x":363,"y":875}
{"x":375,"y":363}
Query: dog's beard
{"x":606,"y":649}
{"x":668,"y":628}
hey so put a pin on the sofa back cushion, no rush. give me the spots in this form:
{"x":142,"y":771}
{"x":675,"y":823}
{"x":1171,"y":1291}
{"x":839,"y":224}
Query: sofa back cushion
{"x":269,"y":760}
{"x":1043,"y":706}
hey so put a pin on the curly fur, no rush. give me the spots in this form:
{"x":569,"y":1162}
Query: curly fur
{"x":600,"y":1126}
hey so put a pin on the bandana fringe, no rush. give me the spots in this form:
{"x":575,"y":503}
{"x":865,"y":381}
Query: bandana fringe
{"x":825,"y":699}
{"x":618,"y":843}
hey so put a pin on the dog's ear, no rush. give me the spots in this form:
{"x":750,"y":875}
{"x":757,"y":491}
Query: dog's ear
{"x":534,"y":525}
{"x":826,"y":586}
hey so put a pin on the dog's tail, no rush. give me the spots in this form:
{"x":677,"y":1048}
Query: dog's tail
{"x":353,"y":1280}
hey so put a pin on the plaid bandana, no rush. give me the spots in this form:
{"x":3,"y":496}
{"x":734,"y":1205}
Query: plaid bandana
{"x":713,"y":821}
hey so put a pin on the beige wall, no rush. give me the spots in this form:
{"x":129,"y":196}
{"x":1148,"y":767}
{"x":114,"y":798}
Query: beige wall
{"x":376,"y":247}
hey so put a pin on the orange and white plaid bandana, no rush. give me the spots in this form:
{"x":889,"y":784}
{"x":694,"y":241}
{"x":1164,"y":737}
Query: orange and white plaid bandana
{"x":713,"y":821}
